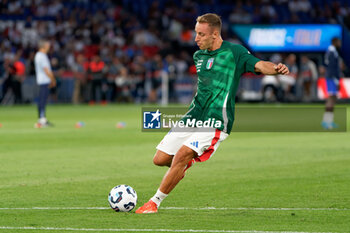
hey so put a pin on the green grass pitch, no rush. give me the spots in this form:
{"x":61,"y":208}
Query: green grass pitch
{"x":251,"y":173}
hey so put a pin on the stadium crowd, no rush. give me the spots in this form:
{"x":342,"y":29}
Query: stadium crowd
{"x":119,"y":50}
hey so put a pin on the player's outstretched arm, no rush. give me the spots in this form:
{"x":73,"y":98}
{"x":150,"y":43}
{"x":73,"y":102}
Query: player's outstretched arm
{"x":269,"y":68}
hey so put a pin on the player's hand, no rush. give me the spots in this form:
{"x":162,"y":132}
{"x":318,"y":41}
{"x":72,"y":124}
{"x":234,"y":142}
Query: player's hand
{"x":53,"y":83}
{"x":281,"y":69}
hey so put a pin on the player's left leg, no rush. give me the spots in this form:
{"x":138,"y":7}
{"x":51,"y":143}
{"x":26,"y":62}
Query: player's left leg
{"x":328,"y":116}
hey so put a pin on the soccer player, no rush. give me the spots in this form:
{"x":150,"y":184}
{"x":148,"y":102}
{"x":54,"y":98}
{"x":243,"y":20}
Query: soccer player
{"x":219,"y":66}
{"x":45,"y":79}
{"x":332,"y":62}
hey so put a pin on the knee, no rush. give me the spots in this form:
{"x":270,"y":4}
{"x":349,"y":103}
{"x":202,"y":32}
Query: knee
{"x":157,"y":161}
{"x":162,"y":159}
{"x":183,"y":156}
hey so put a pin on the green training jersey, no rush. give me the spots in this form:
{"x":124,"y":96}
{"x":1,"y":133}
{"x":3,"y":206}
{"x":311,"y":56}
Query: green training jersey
{"x":218,"y":73}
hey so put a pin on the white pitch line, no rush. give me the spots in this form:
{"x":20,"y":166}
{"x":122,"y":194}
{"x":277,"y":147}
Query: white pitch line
{"x":248,"y":208}
{"x":144,"y":230}
{"x":181,"y":208}
{"x":55,"y":208}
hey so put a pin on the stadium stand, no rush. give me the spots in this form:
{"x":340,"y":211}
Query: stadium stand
{"x":136,"y":41}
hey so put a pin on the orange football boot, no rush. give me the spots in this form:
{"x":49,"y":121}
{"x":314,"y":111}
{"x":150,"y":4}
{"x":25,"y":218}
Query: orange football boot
{"x":148,"y":208}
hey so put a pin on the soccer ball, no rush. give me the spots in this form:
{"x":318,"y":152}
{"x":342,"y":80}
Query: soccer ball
{"x":122,"y":198}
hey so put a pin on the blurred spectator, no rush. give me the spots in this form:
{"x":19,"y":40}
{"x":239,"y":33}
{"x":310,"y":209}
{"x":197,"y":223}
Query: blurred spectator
{"x":57,"y":69}
{"x":138,"y":73}
{"x":98,"y":85}
{"x":296,"y":6}
{"x":137,"y":33}
{"x":304,"y":6}
{"x":155,"y":77}
{"x":240,"y":16}
{"x":29,"y":66}
{"x":114,"y":70}
{"x":11,"y":88}
{"x":80,"y":69}
{"x":288,"y":81}
{"x":143,"y":37}
{"x":123,"y":85}
{"x":171,"y":69}
{"x":175,"y":30}
{"x":272,"y":88}
{"x":183,"y":63}
{"x":307,"y":79}
{"x":268,"y":13}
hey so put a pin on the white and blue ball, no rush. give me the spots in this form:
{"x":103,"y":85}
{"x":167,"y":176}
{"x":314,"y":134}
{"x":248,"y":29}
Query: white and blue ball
{"x":122,"y":198}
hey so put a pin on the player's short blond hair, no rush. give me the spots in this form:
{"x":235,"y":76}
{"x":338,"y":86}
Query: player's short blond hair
{"x":42,"y":43}
{"x":212,"y":19}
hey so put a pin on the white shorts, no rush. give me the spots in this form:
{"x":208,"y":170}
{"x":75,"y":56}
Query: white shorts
{"x":204,"y":143}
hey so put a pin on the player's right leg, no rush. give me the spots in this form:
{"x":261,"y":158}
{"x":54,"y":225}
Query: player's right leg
{"x":164,"y":156}
{"x":160,"y":159}
{"x":43,"y":96}
{"x":177,"y":169}
{"x":170,"y":180}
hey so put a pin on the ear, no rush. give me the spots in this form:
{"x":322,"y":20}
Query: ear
{"x":216,"y":33}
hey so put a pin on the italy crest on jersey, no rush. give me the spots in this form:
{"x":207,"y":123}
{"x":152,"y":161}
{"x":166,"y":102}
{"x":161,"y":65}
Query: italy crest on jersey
{"x":210,"y":63}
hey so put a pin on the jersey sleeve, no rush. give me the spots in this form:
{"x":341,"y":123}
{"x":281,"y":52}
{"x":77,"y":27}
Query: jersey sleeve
{"x":46,"y":62}
{"x":244,"y":59}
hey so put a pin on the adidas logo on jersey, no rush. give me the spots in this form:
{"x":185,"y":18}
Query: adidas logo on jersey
{"x":195,"y":144}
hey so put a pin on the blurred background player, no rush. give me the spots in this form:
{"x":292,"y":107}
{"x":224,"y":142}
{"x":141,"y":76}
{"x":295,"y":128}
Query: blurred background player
{"x":45,"y":79}
{"x":219,"y":65}
{"x":332,"y":62}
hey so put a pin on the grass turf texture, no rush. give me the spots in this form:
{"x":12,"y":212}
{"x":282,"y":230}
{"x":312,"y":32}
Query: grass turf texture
{"x":69,"y":167}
